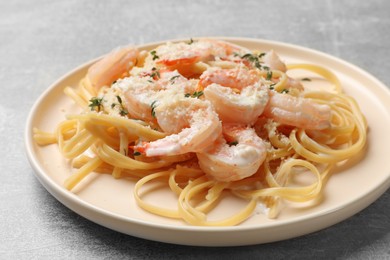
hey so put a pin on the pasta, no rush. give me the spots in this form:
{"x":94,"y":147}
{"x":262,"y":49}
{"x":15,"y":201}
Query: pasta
{"x":208,"y":118}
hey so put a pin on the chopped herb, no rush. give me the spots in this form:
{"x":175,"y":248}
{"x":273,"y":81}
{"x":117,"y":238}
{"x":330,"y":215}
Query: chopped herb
{"x":284,"y":91}
{"x":258,"y":65}
{"x":155,"y":73}
{"x":172,"y":80}
{"x":250,"y":57}
{"x":114,"y":82}
{"x":113,"y":105}
{"x":306,"y":79}
{"x":234,"y":143}
{"x":136,"y":153}
{"x":196,"y":94}
{"x":269,"y":75}
{"x":155,"y":56}
{"x":255,"y":60}
{"x":272,"y":86}
{"x":123,"y":111}
{"x":96,"y":104}
{"x":191,"y":41}
{"x":153,"y":106}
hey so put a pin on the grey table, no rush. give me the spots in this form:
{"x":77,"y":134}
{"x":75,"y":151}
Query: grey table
{"x":41,"y":40}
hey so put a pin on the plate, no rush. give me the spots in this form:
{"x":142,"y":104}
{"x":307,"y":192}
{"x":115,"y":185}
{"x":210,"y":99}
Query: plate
{"x":109,"y":202}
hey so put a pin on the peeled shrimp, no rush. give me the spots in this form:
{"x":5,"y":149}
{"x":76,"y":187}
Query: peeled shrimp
{"x":112,"y":66}
{"x":192,"y":123}
{"x":142,"y":93}
{"x":237,"y":156}
{"x":297,"y":111}
{"x":236,"y":94}
{"x":176,"y":54}
{"x":243,"y":107}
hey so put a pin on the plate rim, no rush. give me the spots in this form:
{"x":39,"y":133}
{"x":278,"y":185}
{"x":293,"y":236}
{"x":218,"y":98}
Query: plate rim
{"x":68,"y":198}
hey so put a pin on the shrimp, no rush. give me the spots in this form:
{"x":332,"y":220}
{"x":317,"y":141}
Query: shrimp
{"x":297,"y":111}
{"x":114,"y":65}
{"x":178,"y":54}
{"x":192,"y":124}
{"x":143,"y":93}
{"x":191,"y":58}
{"x":243,"y":106}
{"x":237,"y":156}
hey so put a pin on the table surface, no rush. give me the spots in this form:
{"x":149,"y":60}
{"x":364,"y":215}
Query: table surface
{"x":42,"y":40}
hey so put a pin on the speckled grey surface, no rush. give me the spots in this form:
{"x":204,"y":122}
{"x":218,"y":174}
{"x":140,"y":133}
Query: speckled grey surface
{"x":41,"y":40}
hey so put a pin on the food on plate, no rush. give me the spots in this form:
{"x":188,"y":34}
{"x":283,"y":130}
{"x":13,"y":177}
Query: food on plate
{"x":208,"y":119}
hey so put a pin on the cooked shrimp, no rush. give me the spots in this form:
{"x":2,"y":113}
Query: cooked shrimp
{"x":237,"y":156}
{"x":112,"y":66}
{"x":192,"y":123}
{"x":297,"y":111}
{"x":242,"y":108}
{"x":143,"y":93}
{"x":236,"y":94}
{"x":176,"y":54}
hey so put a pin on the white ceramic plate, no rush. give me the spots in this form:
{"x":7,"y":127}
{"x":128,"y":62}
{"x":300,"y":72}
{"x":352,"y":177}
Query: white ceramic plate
{"x":109,"y":202}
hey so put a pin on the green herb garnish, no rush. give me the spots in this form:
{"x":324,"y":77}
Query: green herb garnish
{"x":269,"y":75}
{"x":254,"y":59}
{"x":119,"y":99}
{"x":234,"y":143}
{"x":155,"y":73}
{"x":154,"y":54}
{"x":196,"y":94}
{"x":172,"y":80}
{"x":153,"y":106}
{"x":191,"y":41}
{"x":285,"y":91}
{"x":306,"y":79}
{"x":137,"y":153}
{"x":96,"y":104}
{"x":123,"y":111}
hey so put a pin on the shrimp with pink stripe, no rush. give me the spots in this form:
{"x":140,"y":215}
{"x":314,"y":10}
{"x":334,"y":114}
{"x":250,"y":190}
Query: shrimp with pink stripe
{"x":143,"y":93}
{"x":237,"y":155}
{"x":236,"y":94}
{"x":191,"y":123}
